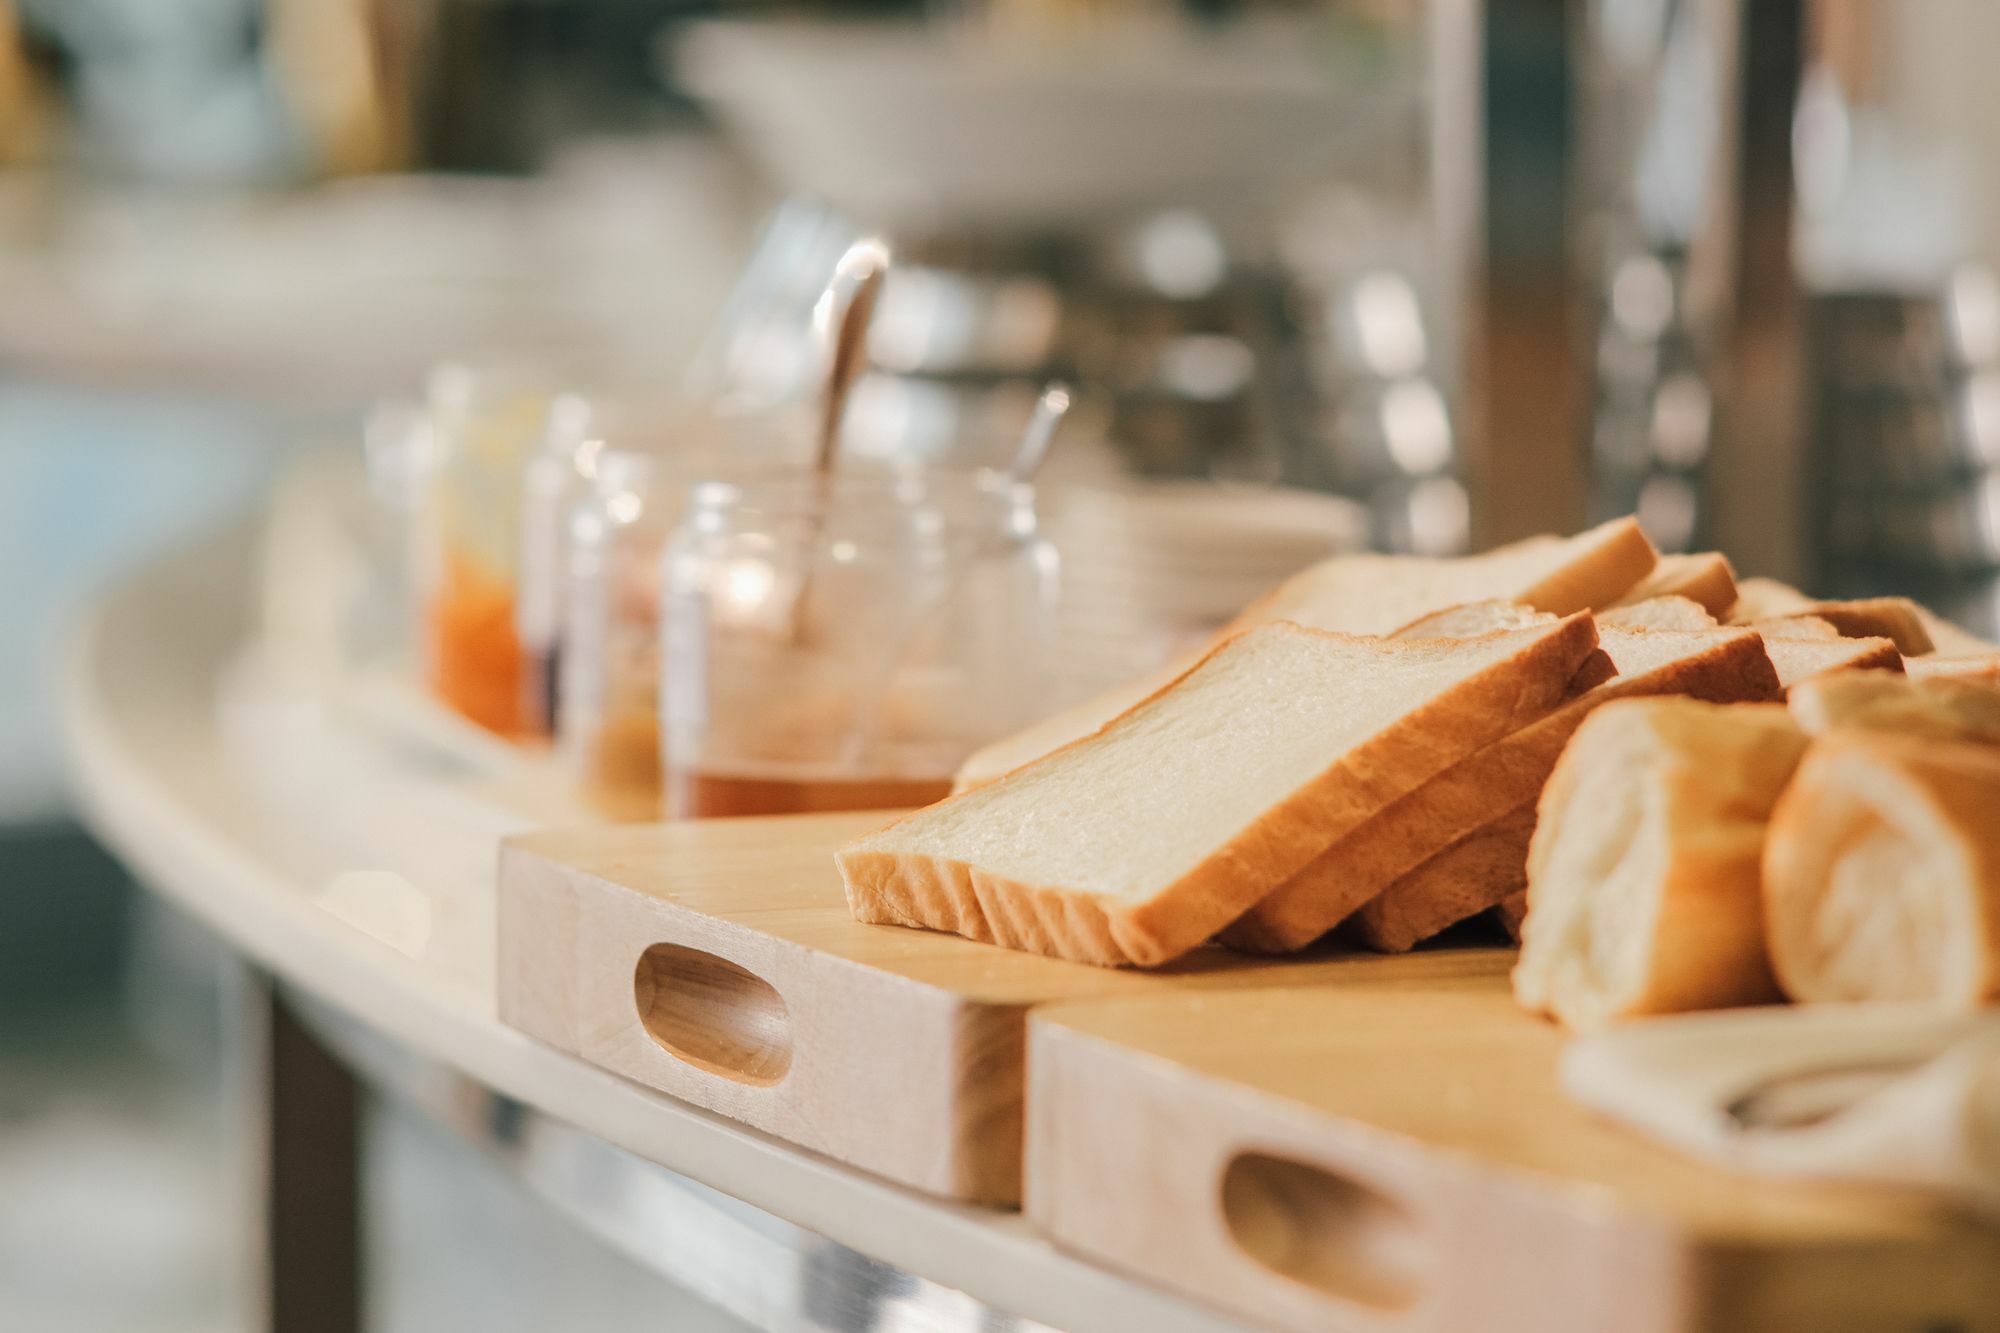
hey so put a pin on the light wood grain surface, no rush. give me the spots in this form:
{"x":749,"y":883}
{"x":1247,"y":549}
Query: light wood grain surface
{"x":716,"y":960}
{"x":1368,"y":1159}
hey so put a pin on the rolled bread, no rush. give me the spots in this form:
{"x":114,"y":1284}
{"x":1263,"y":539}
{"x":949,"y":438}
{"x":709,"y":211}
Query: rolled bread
{"x":1882,"y":872}
{"x":1643,"y":873}
{"x":1138,"y":843}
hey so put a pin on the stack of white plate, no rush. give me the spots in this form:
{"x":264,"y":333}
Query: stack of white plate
{"x":1149,"y":569}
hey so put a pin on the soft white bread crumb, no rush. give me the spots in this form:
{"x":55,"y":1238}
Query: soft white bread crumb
{"x":1136,"y":844}
{"x":1800,"y":660}
{"x":1474,"y":618}
{"x":1668,"y":612}
{"x":1976,"y":668}
{"x":1882,"y":872}
{"x":1643,"y":874}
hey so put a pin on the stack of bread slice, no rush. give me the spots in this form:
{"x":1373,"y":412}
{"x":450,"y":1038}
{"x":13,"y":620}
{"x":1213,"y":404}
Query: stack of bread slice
{"x":1360,"y":752}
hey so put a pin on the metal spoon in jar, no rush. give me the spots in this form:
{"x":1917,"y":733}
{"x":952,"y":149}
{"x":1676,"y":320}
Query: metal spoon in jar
{"x":842,"y":315}
{"x":1050,"y":408}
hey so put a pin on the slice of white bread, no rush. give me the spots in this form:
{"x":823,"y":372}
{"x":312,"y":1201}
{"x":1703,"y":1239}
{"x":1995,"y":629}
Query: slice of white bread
{"x":1376,"y":594}
{"x":1952,"y":639}
{"x":1481,"y":870}
{"x":1472,"y":618}
{"x":1796,"y":627}
{"x":1669,"y":611}
{"x":1704,"y":578}
{"x":1373,"y":594}
{"x":1138,"y":843}
{"x":1974,"y":667}
{"x":1882,"y":872}
{"x":1803,"y":659}
{"x":1488,"y":617}
{"x":1896,"y":618}
{"x":1940,"y":708}
{"x":1726,"y":666}
{"x":1767,"y":599}
{"x":1643,"y":875}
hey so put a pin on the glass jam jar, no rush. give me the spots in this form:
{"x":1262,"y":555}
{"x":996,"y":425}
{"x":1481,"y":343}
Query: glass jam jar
{"x":481,"y":427}
{"x":609,"y":713}
{"x":843,"y":643}
{"x":557,"y":476}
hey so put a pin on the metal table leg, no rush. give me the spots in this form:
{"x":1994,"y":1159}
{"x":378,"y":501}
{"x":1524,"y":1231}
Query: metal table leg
{"x":304,"y":1145}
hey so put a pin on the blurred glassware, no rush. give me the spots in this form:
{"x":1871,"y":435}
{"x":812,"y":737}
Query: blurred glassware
{"x":1658,"y":85}
{"x":1139,"y":205}
{"x":609,"y":716}
{"x":1895,"y":249}
{"x":926,"y":629}
{"x":480,"y":426}
{"x":559,"y":474}
{"x":961,"y":130}
{"x":1151,"y":568}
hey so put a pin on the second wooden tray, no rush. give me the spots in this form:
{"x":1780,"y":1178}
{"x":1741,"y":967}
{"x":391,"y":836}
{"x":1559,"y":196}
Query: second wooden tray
{"x":715,"y":960}
{"x":1345,"y":1159}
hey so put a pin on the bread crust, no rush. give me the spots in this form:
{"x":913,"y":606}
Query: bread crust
{"x":1800,"y":660}
{"x":1478,"y":871}
{"x":1942,"y":799}
{"x":1979,"y":668}
{"x":946,"y":893}
{"x":1705,"y":578}
{"x":1732,"y":667}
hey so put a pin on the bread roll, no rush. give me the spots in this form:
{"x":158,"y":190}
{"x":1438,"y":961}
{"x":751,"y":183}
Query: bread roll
{"x":1643,"y":873}
{"x":1882,"y":872}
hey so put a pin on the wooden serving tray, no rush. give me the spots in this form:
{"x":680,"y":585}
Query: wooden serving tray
{"x":715,"y":960}
{"x":1353,"y":1159}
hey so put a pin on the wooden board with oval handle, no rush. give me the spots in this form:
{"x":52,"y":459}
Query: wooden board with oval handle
{"x":715,"y":960}
{"x":1340,"y":1159}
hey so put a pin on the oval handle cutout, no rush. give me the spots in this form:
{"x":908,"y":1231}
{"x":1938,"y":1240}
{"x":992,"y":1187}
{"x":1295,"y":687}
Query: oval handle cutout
{"x":1333,"y":1234}
{"x":713,"y":1014}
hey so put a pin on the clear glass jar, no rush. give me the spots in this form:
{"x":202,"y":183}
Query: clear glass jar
{"x":609,"y":711}
{"x":844,"y":643}
{"x":557,"y":477}
{"x":480,"y":426}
